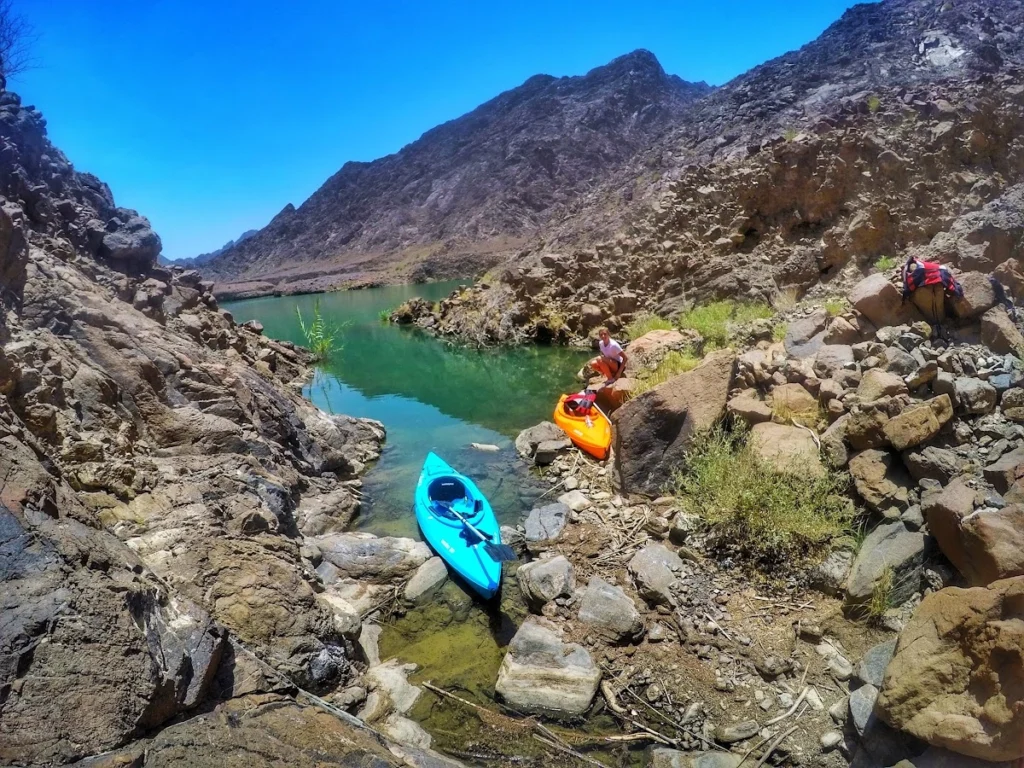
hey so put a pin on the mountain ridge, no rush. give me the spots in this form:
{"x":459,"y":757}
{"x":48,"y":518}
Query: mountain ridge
{"x":472,"y":189}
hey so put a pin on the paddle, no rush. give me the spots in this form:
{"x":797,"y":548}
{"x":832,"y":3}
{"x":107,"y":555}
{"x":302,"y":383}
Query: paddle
{"x":501,"y":553}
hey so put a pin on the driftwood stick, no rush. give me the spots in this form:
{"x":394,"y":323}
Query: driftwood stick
{"x":791,"y":710}
{"x":568,"y":751}
{"x":772,"y":747}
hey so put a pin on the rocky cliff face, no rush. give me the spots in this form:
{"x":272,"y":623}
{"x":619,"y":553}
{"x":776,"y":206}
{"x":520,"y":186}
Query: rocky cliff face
{"x":467,"y":192}
{"x":870,"y":141}
{"x":156,"y":474}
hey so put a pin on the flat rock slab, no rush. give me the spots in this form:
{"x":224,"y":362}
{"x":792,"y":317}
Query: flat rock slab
{"x":542,"y":674}
{"x":663,"y":757}
{"x":365,"y":556}
{"x":547,"y":523}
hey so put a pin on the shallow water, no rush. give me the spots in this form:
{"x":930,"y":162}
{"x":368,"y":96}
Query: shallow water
{"x":433,"y":396}
{"x":430,"y":395}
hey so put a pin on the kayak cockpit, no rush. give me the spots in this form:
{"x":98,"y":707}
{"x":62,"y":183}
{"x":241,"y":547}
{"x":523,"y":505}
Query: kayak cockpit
{"x":446,"y":494}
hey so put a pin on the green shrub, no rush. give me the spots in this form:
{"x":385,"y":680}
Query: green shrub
{"x":779,"y":331}
{"x":874,"y":104}
{"x":384,"y":315}
{"x":321,"y":336}
{"x":645,"y":323}
{"x":712,"y":320}
{"x":885,"y":263}
{"x":772,"y":519}
{"x":881,"y":596}
{"x":790,"y":133}
{"x":834,"y":306}
{"x":673,"y":364}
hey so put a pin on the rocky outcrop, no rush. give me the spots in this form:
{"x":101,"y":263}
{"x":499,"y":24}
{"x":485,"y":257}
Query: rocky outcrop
{"x":159,"y":470}
{"x":654,"y":431}
{"x":956,"y":677}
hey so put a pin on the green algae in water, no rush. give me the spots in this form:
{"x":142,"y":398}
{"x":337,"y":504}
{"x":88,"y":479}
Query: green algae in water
{"x":458,"y":645}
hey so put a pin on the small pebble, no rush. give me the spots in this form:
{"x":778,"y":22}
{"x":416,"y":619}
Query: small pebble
{"x":831,"y":740}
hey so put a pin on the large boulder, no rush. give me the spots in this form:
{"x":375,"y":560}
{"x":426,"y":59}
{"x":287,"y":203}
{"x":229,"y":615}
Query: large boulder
{"x":426,"y":581}
{"x":546,"y":523}
{"x":802,"y":334}
{"x":358,"y":555}
{"x":879,"y":301}
{"x":912,"y":426}
{"x":786,"y":449}
{"x":528,"y":440}
{"x":999,"y":334}
{"x":543,"y":580}
{"x":979,"y":295}
{"x":985,"y":545}
{"x":889,"y":548}
{"x":794,"y":402}
{"x":542,"y":674}
{"x":654,"y":431}
{"x":132,"y":243}
{"x":958,"y":672}
{"x":610,"y":611}
{"x":656,"y":570}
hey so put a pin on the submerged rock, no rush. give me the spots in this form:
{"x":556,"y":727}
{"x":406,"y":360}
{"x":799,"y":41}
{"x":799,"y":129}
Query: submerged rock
{"x":544,"y":675}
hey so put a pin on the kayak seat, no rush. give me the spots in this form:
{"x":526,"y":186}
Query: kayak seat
{"x":447,"y":492}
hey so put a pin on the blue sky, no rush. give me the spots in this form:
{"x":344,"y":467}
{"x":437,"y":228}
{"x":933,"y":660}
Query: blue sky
{"x":208,"y":117}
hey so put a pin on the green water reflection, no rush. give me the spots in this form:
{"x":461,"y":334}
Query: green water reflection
{"x":429,"y":394}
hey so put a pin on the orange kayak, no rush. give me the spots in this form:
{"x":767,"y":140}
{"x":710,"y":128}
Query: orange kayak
{"x":595,"y":438}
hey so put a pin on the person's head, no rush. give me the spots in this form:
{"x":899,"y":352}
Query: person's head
{"x":603,"y":335}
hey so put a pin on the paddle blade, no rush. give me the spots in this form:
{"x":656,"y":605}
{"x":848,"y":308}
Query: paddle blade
{"x":501,"y":553}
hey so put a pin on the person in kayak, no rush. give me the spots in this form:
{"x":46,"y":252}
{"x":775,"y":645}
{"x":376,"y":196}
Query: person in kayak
{"x":612,"y":361}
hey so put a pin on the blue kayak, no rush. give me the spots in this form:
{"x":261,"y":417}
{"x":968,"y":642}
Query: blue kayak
{"x":441,"y":489}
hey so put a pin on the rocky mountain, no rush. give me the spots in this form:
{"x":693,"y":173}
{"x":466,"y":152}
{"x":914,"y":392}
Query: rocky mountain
{"x":159,"y":475}
{"x":873,"y":140}
{"x":468,"y":192}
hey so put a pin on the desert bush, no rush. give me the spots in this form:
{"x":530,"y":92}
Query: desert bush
{"x":645,"y":323}
{"x":773,"y":520}
{"x":322,"y":336}
{"x":673,"y":364}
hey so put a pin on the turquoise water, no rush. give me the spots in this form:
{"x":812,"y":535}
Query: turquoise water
{"x":430,"y":395}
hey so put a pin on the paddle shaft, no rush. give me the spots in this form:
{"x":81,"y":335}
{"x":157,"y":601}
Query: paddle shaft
{"x":468,"y":524}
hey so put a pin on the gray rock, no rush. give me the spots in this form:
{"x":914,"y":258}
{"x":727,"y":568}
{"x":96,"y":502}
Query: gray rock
{"x":610,"y":610}
{"x":830,"y":575}
{"x":862,"y":707}
{"x":899,"y":361}
{"x":830,"y":740}
{"x":542,"y":674}
{"x":656,"y":570}
{"x":936,"y":757}
{"x":683,"y":525}
{"x":871,"y":669}
{"x":427,"y":579}
{"x":405,"y":731}
{"x":368,"y":557}
{"x":543,"y":580}
{"x":931,"y":462}
{"x":889,"y":547}
{"x":576,"y":501}
{"x":528,"y":440}
{"x":801,"y":332}
{"x":730,"y":734}
{"x":913,"y":518}
{"x":831,"y":358}
{"x":546,"y":523}
{"x":975,"y":396}
{"x":547,"y":451}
